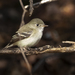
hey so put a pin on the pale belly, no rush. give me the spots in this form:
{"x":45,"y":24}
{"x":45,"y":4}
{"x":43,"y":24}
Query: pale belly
{"x":31,"y":41}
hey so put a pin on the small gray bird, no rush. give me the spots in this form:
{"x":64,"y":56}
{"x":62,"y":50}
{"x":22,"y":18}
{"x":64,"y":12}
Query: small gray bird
{"x":27,"y":36}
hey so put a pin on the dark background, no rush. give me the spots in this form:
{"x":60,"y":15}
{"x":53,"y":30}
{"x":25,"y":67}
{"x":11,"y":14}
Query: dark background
{"x":60,"y":16}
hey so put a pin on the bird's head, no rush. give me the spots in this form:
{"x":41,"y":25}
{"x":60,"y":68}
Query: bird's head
{"x":37,"y":24}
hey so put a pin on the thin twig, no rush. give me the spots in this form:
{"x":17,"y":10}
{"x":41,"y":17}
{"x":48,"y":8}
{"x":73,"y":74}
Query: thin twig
{"x":23,"y":15}
{"x":21,"y":3}
{"x":22,"y":20}
{"x":39,"y":3}
{"x":31,"y":7}
{"x":71,"y":42}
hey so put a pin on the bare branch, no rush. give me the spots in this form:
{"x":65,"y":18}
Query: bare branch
{"x":31,"y":7}
{"x":40,"y":50}
{"x":23,"y":15}
{"x":71,"y":42}
{"x":21,"y":3}
{"x":22,"y":20}
{"x":39,"y":3}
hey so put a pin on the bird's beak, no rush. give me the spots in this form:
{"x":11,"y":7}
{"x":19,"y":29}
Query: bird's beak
{"x":45,"y":25}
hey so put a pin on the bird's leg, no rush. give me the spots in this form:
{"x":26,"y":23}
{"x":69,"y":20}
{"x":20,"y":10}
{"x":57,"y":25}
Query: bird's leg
{"x":24,"y":56}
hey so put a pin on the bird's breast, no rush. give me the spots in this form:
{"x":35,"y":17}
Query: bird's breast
{"x":36,"y":38}
{"x":31,"y":41}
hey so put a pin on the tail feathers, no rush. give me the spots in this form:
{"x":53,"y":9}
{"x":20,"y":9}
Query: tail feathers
{"x":8,"y":46}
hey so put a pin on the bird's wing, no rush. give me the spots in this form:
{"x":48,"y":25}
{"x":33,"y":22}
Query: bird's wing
{"x":20,"y":36}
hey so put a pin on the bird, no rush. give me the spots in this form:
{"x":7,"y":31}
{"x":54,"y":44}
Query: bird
{"x":28,"y":35}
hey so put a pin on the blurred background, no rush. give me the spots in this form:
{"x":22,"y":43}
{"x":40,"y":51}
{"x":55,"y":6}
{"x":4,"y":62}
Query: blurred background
{"x":60,"y":16}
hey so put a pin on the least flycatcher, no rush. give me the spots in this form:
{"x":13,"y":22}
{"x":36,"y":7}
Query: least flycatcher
{"x":28,"y":35}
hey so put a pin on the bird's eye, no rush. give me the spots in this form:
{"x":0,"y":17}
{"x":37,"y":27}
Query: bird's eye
{"x":37,"y":24}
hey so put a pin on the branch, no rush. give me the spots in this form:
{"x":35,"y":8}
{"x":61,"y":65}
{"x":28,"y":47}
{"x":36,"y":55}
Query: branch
{"x":31,"y":7}
{"x":70,"y":42}
{"x":23,"y":14}
{"x":40,"y":50}
{"x":39,"y":3}
{"x":21,"y":3}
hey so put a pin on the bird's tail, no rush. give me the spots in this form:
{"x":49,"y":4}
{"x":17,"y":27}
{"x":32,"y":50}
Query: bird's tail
{"x":8,"y":46}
